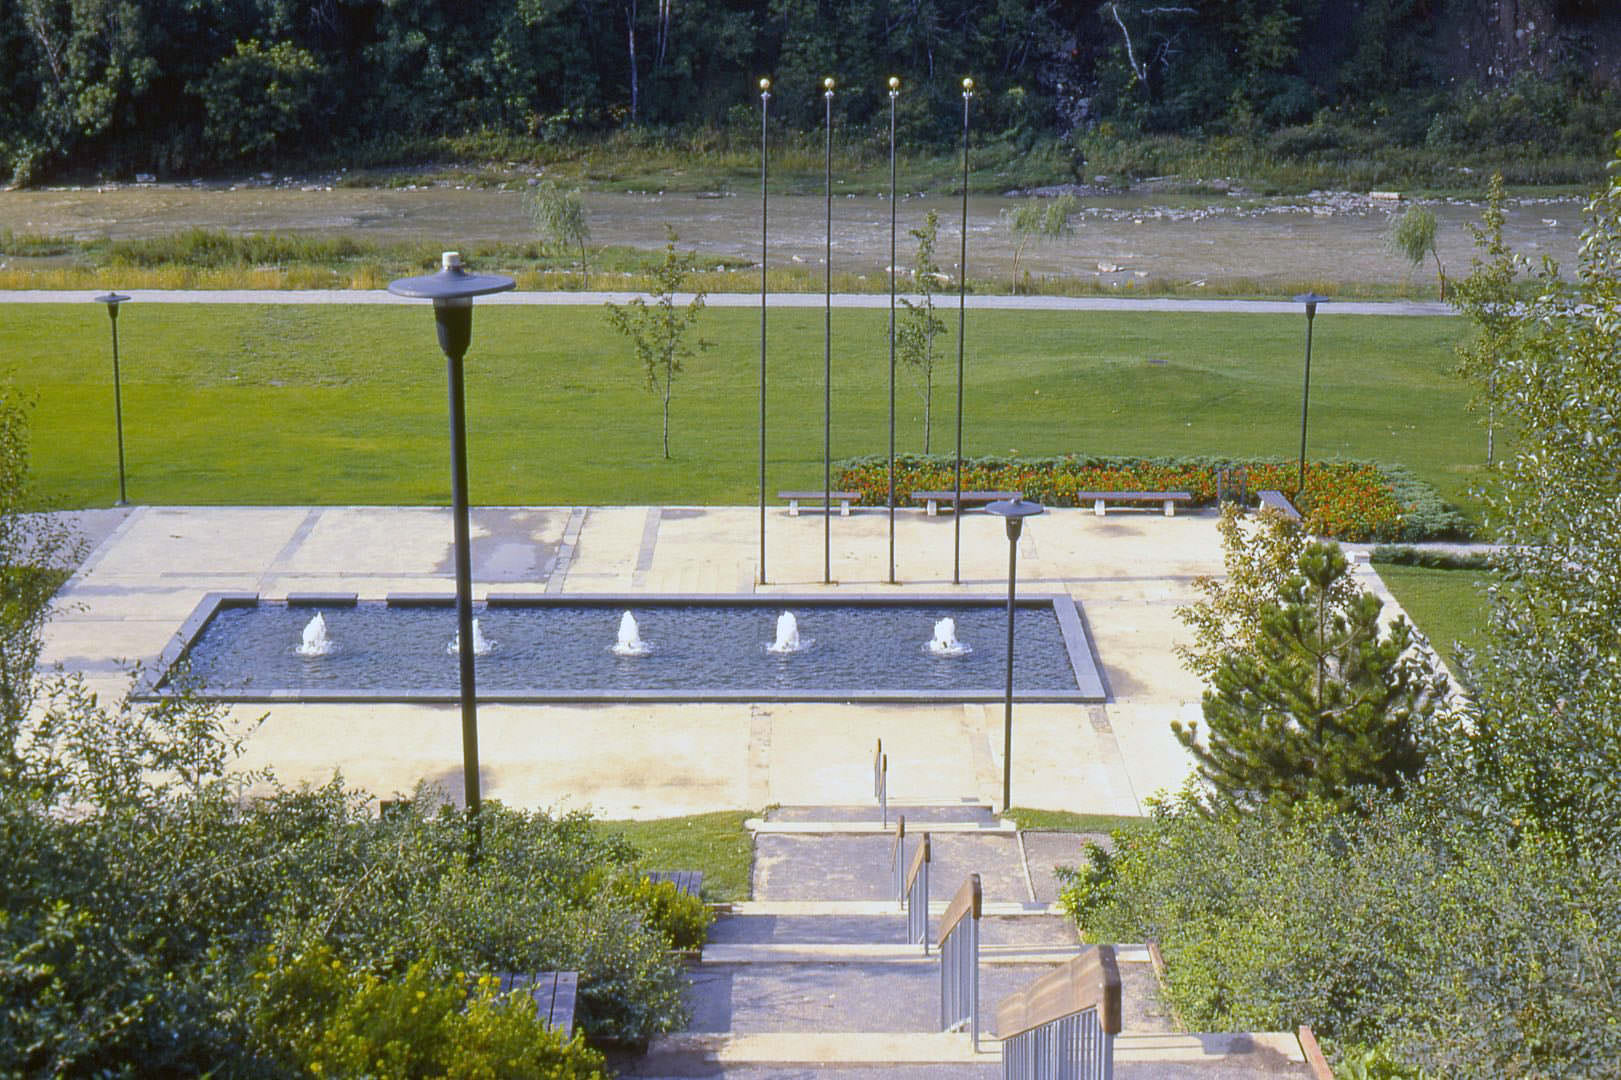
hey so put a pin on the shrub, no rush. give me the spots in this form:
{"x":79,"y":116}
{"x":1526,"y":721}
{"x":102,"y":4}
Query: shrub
{"x":314,"y":1015}
{"x":1462,"y":947}
{"x":680,"y":919}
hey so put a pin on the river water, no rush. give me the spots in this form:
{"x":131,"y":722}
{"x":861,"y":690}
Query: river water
{"x":1118,"y":239}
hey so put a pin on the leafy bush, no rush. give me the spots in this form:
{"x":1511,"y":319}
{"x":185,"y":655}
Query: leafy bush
{"x":680,"y":919}
{"x":1468,"y":950}
{"x":313,"y":1015}
{"x":128,"y":932}
{"x":1352,"y":501}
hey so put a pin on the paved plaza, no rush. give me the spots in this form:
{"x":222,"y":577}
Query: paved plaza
{"x":1128,"y":571}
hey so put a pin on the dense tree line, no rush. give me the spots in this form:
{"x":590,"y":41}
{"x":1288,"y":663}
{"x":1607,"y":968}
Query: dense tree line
{"x":166,"y":86}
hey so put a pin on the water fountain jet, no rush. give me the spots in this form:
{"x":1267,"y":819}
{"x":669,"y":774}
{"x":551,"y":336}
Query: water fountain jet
{"x":630,"y":641}
{"x":481,"y":644}
{"x":315,"y":641}
{"x":787,"y":635}
{"x":944,"y":642}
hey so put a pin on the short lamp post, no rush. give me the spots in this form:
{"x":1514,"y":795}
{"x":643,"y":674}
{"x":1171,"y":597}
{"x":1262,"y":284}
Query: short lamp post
{"x":1013,"y":512}
{"x":1311,"y":300}
{"x":112,"y":300}
{"x":452,"y":290}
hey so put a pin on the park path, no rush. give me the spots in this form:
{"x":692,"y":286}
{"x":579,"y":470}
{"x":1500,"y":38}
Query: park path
{"x":813,"y":978}
{"x":743,"y":300}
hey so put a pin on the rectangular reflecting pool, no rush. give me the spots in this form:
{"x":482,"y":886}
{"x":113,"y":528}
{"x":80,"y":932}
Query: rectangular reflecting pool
{"x":604,"y":648}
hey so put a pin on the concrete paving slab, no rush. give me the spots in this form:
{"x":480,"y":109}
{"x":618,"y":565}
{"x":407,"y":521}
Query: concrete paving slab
{"x":1128,"y":571}
{"x":842,"y":867}
{"x":1044,"y":852}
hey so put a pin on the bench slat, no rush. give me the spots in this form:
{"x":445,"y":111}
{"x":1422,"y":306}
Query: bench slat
{"x":1099,"y":499}
{"x":561,"y":1017}
{"x":686,"y":881}
{"x":935,"y":499}
{"x":844,"y":499}
{"x":1271,"y":499}
{"x":553,"y":992}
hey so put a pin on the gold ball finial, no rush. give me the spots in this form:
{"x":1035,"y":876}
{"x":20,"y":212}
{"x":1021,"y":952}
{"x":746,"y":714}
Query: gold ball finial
{"x":968,"y":86}
{"x":827,"y":84}
{"x":765,"y":84}
{"x":894,"y":82}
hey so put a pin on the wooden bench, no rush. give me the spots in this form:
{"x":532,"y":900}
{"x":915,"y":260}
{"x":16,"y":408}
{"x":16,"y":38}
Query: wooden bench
{"x":1278,"y":501}
{"x":553,"y":993}
{"x":845,"y":498}
{"x":1099,"y":499}
{"x":934,"y":499}
{"x":690,"y":882}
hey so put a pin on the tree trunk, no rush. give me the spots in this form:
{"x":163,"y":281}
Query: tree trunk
{"x":635,"y":89}
{"x":668,"y":378}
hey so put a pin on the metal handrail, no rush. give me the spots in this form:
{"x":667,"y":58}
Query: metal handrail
{"x":880,"y":782}
{"x":897,"y":861}
{"x":959,"y":960}
{"x":917,"y":897}
{"x":1064,"y":1024}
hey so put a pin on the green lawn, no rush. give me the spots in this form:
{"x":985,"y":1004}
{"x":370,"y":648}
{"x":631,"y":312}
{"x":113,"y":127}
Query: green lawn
{"x":1067,"y":821}
{"x":1449,"y":606}
{"x":715,"y":843}
{"x":266,"y":404}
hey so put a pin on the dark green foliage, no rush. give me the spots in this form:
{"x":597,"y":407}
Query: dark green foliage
{"x":1430,"y":558}
{"x":1465,"y":948}
{"x":171,"y":86}
{"x":1320,"y":705}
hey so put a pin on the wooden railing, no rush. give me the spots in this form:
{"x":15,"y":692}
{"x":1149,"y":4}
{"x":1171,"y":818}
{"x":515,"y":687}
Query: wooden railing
{"x":1063,"y":1026}
{"x":880,"y":782}
{"x":897,"y":861}
{"x":917,"y":897}
{"x":959,"y":961}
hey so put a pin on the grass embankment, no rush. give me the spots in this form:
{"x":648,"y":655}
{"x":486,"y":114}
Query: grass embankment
{"x":716,"y":844}
{"x":1344,"y":157}
{"x":1067,"y":821}
{"x":1448,"y":606}
{"x":334,"y":404}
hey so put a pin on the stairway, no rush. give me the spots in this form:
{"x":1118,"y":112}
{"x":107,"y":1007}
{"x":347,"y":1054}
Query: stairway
{"x":812,"y":979}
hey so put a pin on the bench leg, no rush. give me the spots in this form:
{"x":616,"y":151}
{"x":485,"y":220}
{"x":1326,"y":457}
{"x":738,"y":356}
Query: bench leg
{"x":844,"y":508}
{"x":1097,"y":507}
{"x":1170,"y":508}
{"x":793,"y":507}
{"x":934,"y":508}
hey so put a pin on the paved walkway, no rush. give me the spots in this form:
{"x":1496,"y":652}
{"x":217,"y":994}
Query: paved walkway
{"x":815,"y":978}
{"x":743,"y":300}
{"x":1129,"y":571}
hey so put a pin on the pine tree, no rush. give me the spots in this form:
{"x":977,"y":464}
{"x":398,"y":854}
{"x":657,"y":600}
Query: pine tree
{"x":1320,"y":703}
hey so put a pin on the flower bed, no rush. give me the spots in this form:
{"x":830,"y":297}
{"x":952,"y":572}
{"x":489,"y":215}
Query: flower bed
{"x":1346,"y":500}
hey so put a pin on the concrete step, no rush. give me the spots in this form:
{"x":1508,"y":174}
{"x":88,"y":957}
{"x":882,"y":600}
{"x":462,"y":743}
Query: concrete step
{"x":889,"y":927}
{"x":868,"y":1056}
{"x":859,"y":867}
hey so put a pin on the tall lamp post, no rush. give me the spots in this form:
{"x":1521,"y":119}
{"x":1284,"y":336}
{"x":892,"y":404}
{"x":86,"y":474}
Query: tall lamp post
{"x":1311,"y":300}
{"x":962,"y":327}
{"x":112,"y":300}
{"x":894,"y":92}
{"x":765,"y":107}
{"x":1013,"y":511}
{"x":827,"y":352}
{"x":452,"y":290}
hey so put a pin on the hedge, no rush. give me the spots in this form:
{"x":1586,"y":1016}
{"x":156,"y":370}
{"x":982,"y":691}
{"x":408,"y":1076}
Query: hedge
{"x":1346,"y":500}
